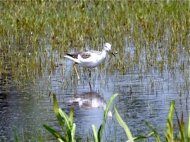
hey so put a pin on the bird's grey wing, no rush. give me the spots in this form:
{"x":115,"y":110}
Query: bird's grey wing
{"x":85,"y":55}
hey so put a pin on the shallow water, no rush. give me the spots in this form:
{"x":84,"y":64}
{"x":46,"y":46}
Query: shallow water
{"x":145,"y":94}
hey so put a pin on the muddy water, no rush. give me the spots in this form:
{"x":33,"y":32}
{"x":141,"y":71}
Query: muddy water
{"x":145,"y":95}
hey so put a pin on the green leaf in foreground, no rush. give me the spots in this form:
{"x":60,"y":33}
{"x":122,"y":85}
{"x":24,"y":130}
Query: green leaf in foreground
{"x":102,"y":126}
{"x":155,"y":133}
{"x":188,"y":131}
{"x":73,"y":132}
{"x":95,"y":133}
{"x":66,"y":123}
{"x":56,"y":110}
{"x":56,"y":134}
{"x":71,"y":114}
{"x":65,"y":117}
{"x":123,"y":125}
{"x":181,"y":125}
{"x":170,"y":129}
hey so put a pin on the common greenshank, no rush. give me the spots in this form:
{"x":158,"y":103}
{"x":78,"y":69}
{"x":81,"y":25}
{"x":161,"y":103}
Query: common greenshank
{"x":89,"y":59}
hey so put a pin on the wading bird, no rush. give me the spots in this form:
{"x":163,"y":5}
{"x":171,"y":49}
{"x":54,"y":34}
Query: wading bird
{"x":89,"y":59}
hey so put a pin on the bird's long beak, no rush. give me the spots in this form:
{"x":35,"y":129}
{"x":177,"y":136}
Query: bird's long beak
{"x":113,"y":53}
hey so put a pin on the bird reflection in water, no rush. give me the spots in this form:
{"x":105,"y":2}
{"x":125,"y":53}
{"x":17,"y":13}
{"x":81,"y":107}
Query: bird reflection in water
{"x":89,"y":100}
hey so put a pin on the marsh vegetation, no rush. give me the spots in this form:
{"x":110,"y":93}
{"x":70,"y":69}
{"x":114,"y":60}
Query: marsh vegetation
{"x":151,"y":67}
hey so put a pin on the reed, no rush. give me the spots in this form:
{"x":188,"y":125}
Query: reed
{"x":30,"y":26}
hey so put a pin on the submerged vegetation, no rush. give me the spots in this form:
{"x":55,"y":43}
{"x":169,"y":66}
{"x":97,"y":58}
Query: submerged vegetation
{"x":30,"y":30}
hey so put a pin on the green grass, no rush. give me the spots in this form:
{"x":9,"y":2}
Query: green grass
{"x":95,"y":21}
{"x":30,"y":26}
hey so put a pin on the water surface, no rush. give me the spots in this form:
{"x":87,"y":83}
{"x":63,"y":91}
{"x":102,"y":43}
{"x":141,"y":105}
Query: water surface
{"x":145,"y":94}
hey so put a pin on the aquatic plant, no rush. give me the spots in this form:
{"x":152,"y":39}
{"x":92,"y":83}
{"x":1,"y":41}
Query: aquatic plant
{"x":170,"y":130}
{"x":98,"y":135}
{"x":183,"y":130}
{"x":128,"y":132}
{"x":68,"y":126}
{"x":124,"y":126}
{"x":66,"y":123}
{"x":181,"y":134}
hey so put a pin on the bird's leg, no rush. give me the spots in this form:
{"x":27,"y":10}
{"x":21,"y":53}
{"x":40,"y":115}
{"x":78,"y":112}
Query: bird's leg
{"x":89,"y":73}
{"x":76,"y":71}
{"x":90,"y":86}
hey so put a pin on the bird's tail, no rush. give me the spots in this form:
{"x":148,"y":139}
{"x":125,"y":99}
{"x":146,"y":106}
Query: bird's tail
{"x":69,"y":56}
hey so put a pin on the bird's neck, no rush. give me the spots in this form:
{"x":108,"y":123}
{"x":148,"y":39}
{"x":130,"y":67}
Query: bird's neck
{"x":104,"y":52}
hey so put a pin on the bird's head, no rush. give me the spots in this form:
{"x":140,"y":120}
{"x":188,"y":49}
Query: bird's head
{"x":107,"y":47}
